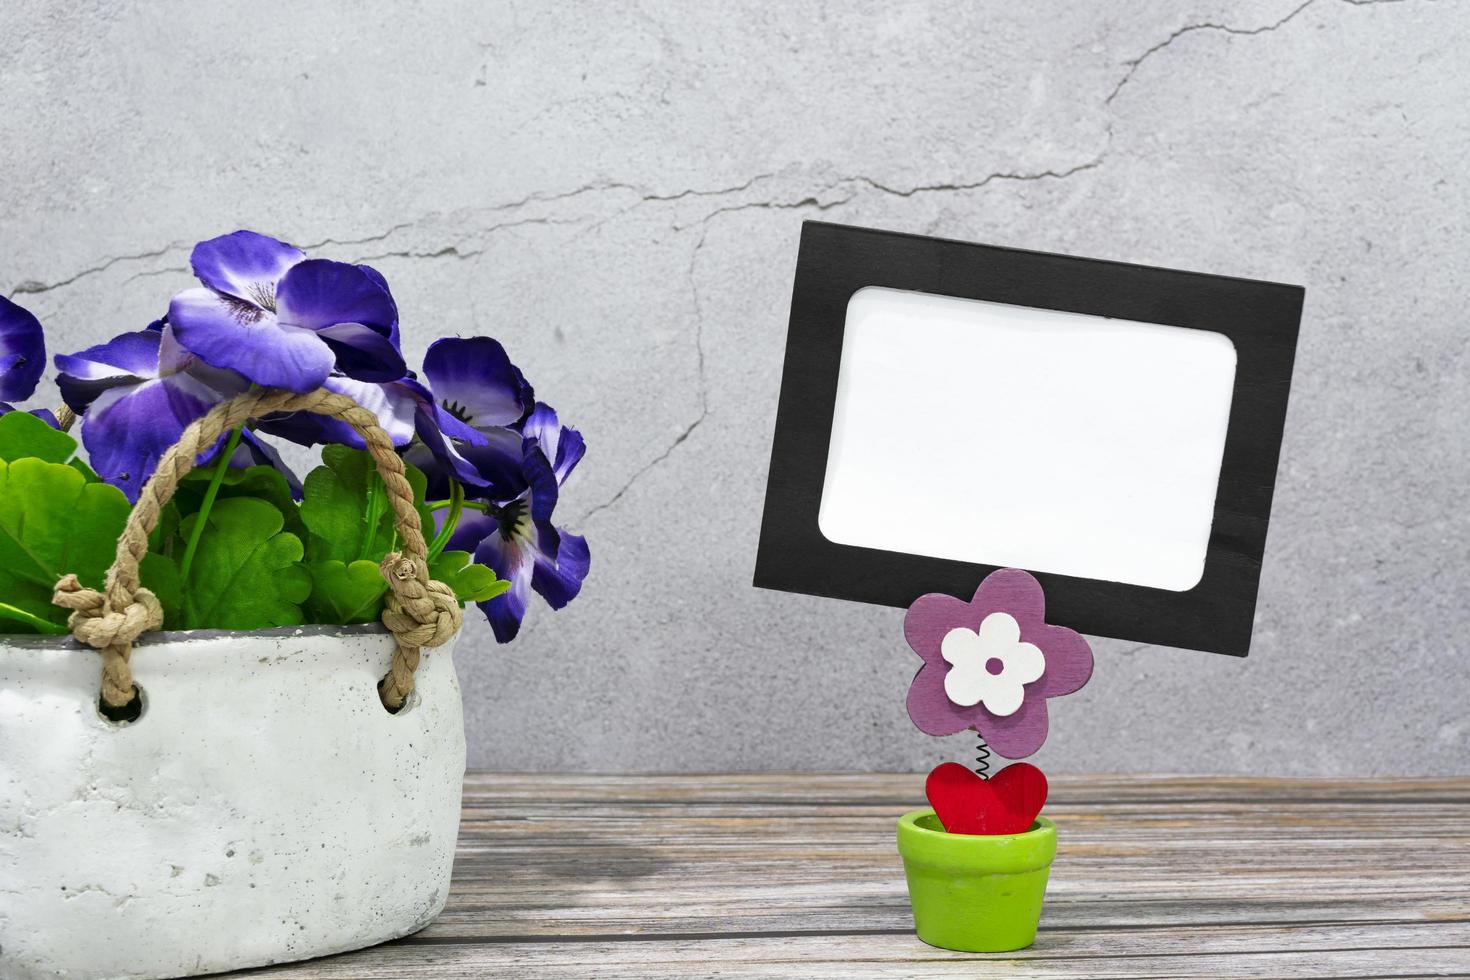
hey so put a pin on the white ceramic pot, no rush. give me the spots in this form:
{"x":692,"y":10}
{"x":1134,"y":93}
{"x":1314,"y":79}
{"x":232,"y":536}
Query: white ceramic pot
{"x":264,"y":808}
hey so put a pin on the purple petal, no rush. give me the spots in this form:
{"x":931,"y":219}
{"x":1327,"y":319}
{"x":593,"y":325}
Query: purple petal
{"x":559,"y":581}
{"x":377,"y":277}
{"x":930,"y":708}
{"x":124,"y":360}
{"x":363,"y":353}
{"x":1018,"y":735}
{"x":1068,"y":661}
{"x":44,"y":414}
{"x":231,"y":334}
{"x":127,"y":429}
{"x":320,"y":293}
{"x":1014,"y":590}
{"x":542,"y":486}
{"x":475,"y":380}
{"x":22,"y":352}
{"x":563,"y":446}
{"x":395,"y":406}
{"x":513,"y":561}
{"x":245,"y":265}
{"x":927,"y":621}
{"x":440,"y":461}
{"x":474,"y":526}
{"x":498,"y":468}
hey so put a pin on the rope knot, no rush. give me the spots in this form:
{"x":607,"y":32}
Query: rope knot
{"x":419,"y":611}
{"x":94,"y":624}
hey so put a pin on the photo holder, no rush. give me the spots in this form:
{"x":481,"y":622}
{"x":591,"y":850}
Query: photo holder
{"x":1114,"y":429}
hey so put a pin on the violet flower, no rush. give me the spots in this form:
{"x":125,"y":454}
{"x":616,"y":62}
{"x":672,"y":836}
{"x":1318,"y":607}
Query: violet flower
{"x":282,"y":320}
{"x":458,"y":425}
{"x":479,"y":398}
{"x":991,"y":663}
{"x":136,"y":395}
{"x":517,"y":539}
{"x":22,"y":354}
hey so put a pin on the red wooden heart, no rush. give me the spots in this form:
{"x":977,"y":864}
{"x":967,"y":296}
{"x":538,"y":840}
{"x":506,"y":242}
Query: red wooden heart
{"x":1007,"y":803}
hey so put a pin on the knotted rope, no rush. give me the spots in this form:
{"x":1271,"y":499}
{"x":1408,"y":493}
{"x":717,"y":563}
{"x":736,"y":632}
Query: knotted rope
{"x":113,"y":633}
{"x":418,"y":611}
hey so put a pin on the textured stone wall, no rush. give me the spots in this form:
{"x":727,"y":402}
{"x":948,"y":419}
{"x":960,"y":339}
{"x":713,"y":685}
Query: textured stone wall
{"x":616,"y":191}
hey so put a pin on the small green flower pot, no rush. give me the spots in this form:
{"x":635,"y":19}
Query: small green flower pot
{"x":978,"y":894}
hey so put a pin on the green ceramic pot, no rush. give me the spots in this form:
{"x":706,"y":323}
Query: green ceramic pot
{"x":978,"y":894}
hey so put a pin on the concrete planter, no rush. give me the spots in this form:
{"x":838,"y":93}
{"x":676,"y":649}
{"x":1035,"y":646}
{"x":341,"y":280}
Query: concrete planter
{"x":264,"y":808}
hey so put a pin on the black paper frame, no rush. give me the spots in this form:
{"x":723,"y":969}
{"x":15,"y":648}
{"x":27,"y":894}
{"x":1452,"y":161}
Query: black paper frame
{"x":1260,"y":318}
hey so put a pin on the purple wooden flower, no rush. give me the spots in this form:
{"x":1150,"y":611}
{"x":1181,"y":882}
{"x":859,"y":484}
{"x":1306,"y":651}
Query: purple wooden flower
{"x":283,"y":320}
{"x":22,"y":352}
{"x":991,"y":663}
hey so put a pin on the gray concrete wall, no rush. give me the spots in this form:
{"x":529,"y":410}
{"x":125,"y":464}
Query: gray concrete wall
{"x":616,"y":190}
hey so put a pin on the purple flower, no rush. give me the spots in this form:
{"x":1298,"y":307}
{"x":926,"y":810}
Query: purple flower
{"x":136,"y":394}
{"x":476,"y":383}
{"x":517,"y":539}
{"x":458,"y":430}
{"x":395,"y":403}
{"x":991,"y":663}
{"x":22,"y":352}
{"x":285,"y":321}
{"x":478,"y":399}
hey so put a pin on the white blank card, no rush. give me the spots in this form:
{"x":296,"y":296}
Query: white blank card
{"x":1012,"y":436}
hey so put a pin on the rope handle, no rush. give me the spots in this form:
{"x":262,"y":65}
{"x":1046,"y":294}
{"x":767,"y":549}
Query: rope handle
{"x":419,"y":611}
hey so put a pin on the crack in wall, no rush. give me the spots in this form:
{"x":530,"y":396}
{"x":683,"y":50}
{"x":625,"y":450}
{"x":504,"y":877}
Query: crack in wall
{"x":31,"y":287}
{"x":816,"y":201}
{"x":1134,"y":64}
{"x":458,"y":250}
{"x":1092,"y":164}
{"x":703,"y":382}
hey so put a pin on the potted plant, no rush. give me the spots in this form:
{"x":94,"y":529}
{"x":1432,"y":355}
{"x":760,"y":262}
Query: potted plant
{"x":270,"y":768}
{"x":977,"y":862}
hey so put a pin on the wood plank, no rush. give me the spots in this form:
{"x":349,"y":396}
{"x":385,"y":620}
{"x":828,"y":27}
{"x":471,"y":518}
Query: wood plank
{"x":798,"y":875}
{"x":1307,"y":952}
{"x":907,"y":788}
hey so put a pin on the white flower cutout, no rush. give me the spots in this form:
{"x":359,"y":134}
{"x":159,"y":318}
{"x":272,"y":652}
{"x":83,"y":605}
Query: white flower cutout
{"x":990,"y":667}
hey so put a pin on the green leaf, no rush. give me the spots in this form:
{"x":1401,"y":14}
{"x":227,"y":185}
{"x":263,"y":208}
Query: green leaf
{"x":337,"y":507}
{"x":261,"y":482}
{"x":353,"y":592}
{"x":52,"y":521}
{"x":346,"y":593}
{"x":160,"y":576}
{"x":23,"y":435}
{"x":470,"y":582}
{"x":247,"y":572}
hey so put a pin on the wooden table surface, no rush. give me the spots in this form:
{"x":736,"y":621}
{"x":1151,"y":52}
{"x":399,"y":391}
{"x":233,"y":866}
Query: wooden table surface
{"x":798,"y":876}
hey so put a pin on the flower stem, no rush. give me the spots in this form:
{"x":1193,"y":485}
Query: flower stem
{"x":221,"y":466}
{"x":374,"y":514}
{"x":451,"y":520}
{"x":40,"y":625}
{"x":479,"y":505}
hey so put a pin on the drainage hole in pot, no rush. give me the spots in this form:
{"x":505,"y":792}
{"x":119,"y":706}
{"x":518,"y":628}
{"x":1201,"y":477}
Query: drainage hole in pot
{"x":126,"y":714}
{"x":408,"y":703}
